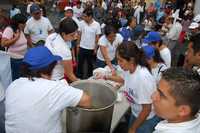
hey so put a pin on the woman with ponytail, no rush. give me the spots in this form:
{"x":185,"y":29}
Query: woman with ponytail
{"x":139,"y":85}
{"x":59,"y":44}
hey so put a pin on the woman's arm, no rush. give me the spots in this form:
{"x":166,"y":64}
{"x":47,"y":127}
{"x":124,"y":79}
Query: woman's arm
{"x":146,"y":109}
{"x":115,"y":78}
{"x":106,"y":57}
{"x":5,"y":42}
{"x":68,"y":68}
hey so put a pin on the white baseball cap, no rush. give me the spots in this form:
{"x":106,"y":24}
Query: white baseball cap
{"x":193,"y":25}
{"x":68,"y":8}
{"x":197,"y":18}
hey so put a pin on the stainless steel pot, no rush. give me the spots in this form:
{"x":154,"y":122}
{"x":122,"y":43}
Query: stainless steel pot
{"x":98,"y":118}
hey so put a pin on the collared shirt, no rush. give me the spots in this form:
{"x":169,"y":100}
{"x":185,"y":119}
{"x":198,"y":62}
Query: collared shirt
{"x":127,"y":33}
{"x":88,"y":34}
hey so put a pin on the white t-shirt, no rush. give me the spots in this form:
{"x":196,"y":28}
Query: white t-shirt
{"x":192,"y":126}
{"x":88,"y":34}
{"x":174,"y":31}
{"x":77,"y":11}
{"x":138,"y":10}
{"x":14,"y":11}
{"x":111,"y":48}
{"x":157,"y":71}
{"x":139,"y":86}
{"x":36,"y":106}
{"x":28,"y":7}
{"x":38,"y":29}
{"x":166,"y":56}
{"x":58,"y":46}
{"x":148,"y":25}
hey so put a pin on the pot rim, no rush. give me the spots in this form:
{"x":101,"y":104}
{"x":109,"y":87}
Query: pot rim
{"x":97,"y":82}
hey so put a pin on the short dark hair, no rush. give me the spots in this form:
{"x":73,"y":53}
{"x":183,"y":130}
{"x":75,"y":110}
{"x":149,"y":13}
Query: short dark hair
{"x":130,"y":19}
{"x":109,"y":29}
{"x":67,"y":26}
{"x":88,"y":12}
{"x":195,"y":43}
{"x":16,"y":20}
{"x":26,"y":72}
{"x":185,"y":87}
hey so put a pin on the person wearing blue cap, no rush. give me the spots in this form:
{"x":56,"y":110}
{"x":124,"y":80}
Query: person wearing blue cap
{"x":37,"y":27}
{"x":153,"y":38}
{"x":155,"y":62}
{"x":34,"y":103}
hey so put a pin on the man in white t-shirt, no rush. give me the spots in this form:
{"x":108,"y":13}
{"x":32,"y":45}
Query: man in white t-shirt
{"x":89,"y":35}
{"x":29,"y":6}
{"x":78,"y":10}
{"x":34,"y":103}
{"x":37,"y":27}
{"x":177,"y":100}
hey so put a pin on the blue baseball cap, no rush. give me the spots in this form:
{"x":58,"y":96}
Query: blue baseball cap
{"x":35,"y":8}
{"x":149,"y":52}
{"x":39,"y":57}
{"x":152,"y":36}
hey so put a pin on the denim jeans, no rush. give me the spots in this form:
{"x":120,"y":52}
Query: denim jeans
{"x":15,"y":67}
{"x":147,"y":126}
{"x":102,"y":64}
{"x":2,"y":117}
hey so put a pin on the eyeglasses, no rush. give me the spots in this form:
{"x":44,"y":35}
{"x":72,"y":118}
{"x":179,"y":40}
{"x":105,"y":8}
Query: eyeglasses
{"x":36,"y":13}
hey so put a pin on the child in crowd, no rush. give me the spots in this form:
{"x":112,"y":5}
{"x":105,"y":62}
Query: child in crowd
{"x":177,"y":100}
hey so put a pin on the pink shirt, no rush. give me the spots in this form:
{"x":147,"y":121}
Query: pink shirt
{"x":18,"y":49}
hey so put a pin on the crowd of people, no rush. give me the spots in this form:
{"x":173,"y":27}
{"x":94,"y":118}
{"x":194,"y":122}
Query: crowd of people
{"x":155,"y":45}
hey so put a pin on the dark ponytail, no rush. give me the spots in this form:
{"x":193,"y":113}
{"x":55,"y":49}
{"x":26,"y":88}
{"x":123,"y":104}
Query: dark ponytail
{"x":129,"y":51}
{"x":157,"y":58}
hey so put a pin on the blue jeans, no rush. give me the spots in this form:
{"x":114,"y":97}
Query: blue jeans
{"x":15,"y":67}
{"x":147,"y":126}
{"x":102,"y":64}
{"x":2,"y":117}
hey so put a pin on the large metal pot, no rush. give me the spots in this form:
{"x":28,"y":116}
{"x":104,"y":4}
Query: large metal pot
{"x":98,"y":118}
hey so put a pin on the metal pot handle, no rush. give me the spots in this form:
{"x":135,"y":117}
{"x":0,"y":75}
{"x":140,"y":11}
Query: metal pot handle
{"x":74,"y":110}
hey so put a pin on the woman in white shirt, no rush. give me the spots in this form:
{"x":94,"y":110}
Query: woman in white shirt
{"x":58,"y":44}
{"x":139,"y":86}
{"x":155,"y":62}
{"x":108,"y":44}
